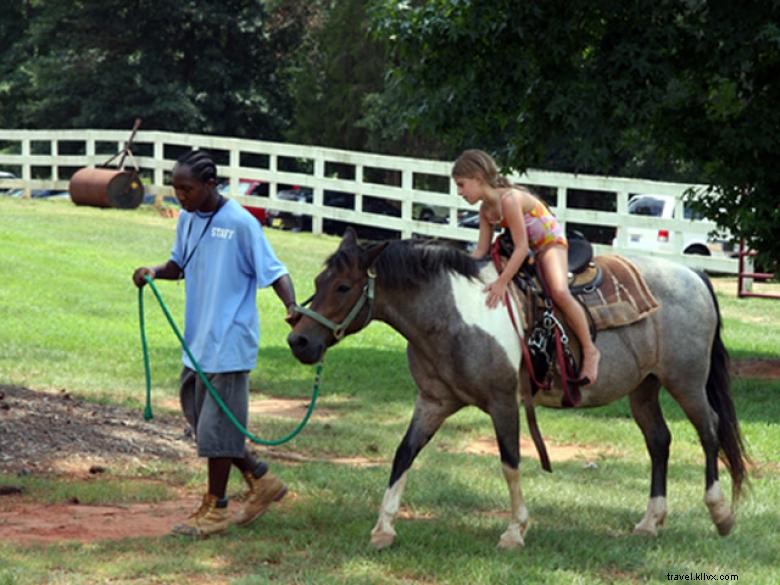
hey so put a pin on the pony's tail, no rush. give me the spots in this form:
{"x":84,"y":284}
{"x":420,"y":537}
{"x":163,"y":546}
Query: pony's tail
{"x":732,"y":448}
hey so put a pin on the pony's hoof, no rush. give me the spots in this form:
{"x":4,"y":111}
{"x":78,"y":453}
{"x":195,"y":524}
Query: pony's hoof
{"x":511,"y":539}
{"x":643,"y":530}
{"x":650,"y":524}
{"x":509,"y":544}
{"x":382,"y":540}
{"x":726,"y":525}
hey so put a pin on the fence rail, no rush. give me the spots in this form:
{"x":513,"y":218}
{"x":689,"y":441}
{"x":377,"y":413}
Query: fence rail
{"x":45,"y":159}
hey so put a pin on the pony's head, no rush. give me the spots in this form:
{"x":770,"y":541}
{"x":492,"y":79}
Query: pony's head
{"x":342,"y":300}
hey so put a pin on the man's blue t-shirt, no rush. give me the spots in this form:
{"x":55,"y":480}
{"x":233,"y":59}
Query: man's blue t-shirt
{"x":227,"y":259}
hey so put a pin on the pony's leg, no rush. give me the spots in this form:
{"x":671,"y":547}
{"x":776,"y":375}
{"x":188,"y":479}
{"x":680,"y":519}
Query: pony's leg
{"x":705,"y":420}
{"x":507,"y":427}
{"x":426,"y":420}
{"x":647,"y":414}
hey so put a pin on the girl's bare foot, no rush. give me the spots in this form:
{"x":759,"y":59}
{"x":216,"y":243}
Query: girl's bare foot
{"x":590,"y":366}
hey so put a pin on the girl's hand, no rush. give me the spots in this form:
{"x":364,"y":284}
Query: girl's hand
{"x":496,"y":292}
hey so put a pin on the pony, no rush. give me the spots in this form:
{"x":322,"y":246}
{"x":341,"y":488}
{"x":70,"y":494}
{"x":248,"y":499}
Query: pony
{"x":460,"y":353}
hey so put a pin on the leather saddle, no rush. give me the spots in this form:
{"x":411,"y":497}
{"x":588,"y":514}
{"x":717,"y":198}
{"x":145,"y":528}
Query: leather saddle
{"x":584,"y":275}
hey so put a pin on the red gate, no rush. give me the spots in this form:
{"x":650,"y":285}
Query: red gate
{"x":742,"y":276}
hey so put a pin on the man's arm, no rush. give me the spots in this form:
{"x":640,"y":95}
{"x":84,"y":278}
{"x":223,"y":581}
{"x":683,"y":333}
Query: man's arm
{"x":168,"y":271}
{"x":284,"y":289}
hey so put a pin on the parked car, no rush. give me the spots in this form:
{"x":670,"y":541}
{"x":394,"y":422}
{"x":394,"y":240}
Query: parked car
{"x":302,"y":222}
{"x":662,"y":239}
{"x":287,"y":220}
{"x":39,"y":193}
{"x":245,"y":187}
{"x":34,"y":193}
{"x":467,"y":219}
{"x":6,"y":175}
{"x":434,"y":213}
{"x":248,"y":187}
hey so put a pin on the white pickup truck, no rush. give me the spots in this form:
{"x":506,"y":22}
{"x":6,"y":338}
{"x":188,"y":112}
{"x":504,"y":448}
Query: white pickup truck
{"x":661,"y":239}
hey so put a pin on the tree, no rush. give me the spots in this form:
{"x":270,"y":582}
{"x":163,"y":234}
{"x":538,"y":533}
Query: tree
{"x":665,"y":89}
{"x":339,"y":64}
{"x":13,"y":27}
{"x":211,"y":66}
{"x":336,"y":79}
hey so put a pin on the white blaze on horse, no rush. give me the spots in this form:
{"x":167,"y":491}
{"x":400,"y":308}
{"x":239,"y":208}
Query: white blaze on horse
{"x":461,"y":353}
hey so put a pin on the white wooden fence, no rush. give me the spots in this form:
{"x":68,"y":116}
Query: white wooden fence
{"x":46,"y":158}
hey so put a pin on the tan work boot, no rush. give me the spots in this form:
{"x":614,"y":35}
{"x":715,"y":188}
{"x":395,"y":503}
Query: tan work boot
{"x":206,"y":520}
{"x":262,"y":492}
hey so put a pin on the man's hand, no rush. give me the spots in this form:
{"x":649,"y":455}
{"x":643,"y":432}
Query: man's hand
{"x":140,"y":273}
{"x":293,"y":316}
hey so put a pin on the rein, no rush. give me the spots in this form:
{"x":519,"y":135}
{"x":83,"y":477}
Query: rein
{"x":525,"y":390}
{"x":339,"y":329}
{"x":214,"y":394}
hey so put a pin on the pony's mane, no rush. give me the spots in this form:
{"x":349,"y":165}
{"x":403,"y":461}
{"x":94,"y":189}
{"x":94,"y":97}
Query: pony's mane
{"x":408,"y":264}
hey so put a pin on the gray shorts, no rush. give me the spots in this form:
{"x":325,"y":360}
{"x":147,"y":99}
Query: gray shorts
{"x":215,"y":433}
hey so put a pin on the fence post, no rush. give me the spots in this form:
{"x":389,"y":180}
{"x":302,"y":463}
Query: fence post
{"x":318,"y":198}
{"x":561,"y":205}
{"x":272,"y":168}
{"x":26,"y":166}
{"x":406,"y":203}
{"x":233,"y":172}
{"x":454,"y":211}
{"x":746,"y":274}
{"x":55,"y":151}
{"x":622,"y":211}
{"x":744,"y":283}
{"x":359,"y":181}
{"x":89,"y":149}
{"x":159,"y":173}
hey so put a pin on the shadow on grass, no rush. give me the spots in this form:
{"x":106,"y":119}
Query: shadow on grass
{"x":753,"y":400}
{"x":363,"y":373}
{"x":376,"y":375}
{"x":453,"y":513}
{"x":451,"y":523}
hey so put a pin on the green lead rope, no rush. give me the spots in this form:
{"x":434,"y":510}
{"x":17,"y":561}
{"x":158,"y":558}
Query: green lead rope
{"x":147,"y":371}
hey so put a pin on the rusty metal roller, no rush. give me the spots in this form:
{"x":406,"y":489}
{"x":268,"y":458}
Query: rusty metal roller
{"x":101,"y":187}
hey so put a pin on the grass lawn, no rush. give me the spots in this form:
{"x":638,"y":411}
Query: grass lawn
{"x":69,"y":320}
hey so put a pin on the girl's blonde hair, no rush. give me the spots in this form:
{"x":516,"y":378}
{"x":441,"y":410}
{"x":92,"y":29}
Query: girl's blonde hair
{"x":478,"y":164}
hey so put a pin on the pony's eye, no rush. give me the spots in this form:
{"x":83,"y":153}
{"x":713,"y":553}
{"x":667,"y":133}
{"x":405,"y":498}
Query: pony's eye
{"x":342,"y":288}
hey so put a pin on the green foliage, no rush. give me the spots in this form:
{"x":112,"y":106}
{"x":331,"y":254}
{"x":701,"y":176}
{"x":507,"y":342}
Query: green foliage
{"x":336,"y":80}
{"x":666,"y":90}
{"x":13,"y":78}
{"x":339,"y":65}
{"x":210,"y":67}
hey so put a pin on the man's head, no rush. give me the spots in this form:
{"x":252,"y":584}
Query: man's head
{"x":195,"y":180}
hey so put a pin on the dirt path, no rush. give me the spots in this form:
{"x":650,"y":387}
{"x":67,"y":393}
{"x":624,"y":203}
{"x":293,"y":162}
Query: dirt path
{"x":55,"y":435}
{"x":31,"y":522}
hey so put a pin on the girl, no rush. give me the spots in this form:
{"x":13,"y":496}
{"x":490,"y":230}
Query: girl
{"x":532,"y":227}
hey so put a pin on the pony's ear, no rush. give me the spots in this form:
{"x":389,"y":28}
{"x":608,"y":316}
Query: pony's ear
{"x":369,"y":256}
{"x":349,"y":239}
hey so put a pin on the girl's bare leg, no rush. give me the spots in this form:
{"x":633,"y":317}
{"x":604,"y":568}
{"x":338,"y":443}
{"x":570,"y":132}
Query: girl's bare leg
{"x":554,"y":263}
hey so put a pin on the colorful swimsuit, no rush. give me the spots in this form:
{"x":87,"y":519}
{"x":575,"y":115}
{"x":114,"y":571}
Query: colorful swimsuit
{"x":543,"y":228}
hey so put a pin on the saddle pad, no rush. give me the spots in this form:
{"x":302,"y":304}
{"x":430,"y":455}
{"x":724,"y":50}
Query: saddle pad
{"x":622,"y":297}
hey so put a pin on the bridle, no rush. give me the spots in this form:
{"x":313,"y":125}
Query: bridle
{"x":339,"y":329}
